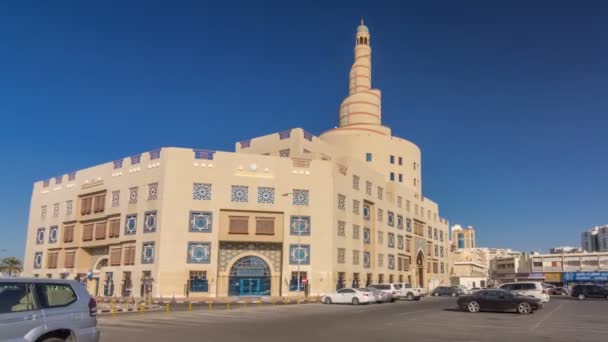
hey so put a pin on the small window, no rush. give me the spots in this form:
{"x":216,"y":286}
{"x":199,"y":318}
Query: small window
{"x":392,"y":159}
{"x":400,"y":178}
{"x":392,"y":177}
{"x":16,"y":298}
{"x":368,"y":157}
{"x":400,"y":161}
{"x":55,"y":295}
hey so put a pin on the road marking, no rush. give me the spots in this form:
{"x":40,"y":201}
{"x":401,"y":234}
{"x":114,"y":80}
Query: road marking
{"x":546,"y":317}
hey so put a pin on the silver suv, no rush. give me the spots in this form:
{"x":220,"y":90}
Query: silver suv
{"x":46,"y":310}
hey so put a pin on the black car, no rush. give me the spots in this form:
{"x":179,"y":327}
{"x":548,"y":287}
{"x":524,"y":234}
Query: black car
{"x":589,"y":291}
{"x":498,"y":300}
{"x":453,"y":291}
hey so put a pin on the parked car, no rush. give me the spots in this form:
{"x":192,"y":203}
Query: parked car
{"x":559,"y":291}
{"x":589,"y":291}
{"x":498,"y":300}
{"x":380,"y":296}
{"x":528,"y":288}
{"x":412,"y":293}
{"x":393,"y":290}
{"x":464,"y":289}
{"x":349,"y":296}
{"x":46,"y":310}
{"x":453,"y":291}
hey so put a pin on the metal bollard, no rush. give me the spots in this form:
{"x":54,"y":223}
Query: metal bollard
{"x":168,"y":308}
{"x":210,"y":306}
{"x":189,"y":306}
{"x":142,"y":308}
{"x":245,"y":304}
{"x":228,"y":306}
{"x":114,"y":311}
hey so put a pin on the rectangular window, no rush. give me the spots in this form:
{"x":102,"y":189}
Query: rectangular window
{"x":264,"y":225}
{"x":99,"y":203}
{"x":341,"y":228}
{"x":115,"y":256}
{"x":87,"y":232}
{"x":52,"y":259}
{"x":400,"y":178}
{"x":100,"y":231}
{"x":296,"y":283}
{"x":129,"y":255}
{"x":380,"y":193}
{"x":400,"y":161}
{"x":68,"y":234}
{"x":392,"y":159}
{"x":69,"y":259}
{"x":238,"y":225}
{"x":86,"y":206}
{"x":392,"y":176}
{"x":198,"y":281}
{"x":114,"y":228}
{"x":408,"y":244}
{"x":368,"y":157}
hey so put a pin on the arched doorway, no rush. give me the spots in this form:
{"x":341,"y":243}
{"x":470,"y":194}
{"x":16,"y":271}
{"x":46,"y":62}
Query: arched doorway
{"x":249,"y":276}
{"x":420,"y":269}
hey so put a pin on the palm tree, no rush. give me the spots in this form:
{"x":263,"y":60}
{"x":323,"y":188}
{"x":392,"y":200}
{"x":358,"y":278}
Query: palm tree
{"x":11,"y":265}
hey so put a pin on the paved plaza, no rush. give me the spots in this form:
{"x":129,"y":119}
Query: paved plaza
{"x":432,"y":319}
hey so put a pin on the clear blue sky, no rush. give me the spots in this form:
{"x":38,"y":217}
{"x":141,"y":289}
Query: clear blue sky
{"x":508,"y":102}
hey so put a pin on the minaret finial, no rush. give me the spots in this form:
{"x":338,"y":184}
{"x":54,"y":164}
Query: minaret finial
{"x":362,"y":21}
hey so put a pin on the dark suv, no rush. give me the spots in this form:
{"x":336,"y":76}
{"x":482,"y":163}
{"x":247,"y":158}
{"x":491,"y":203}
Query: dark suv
{"x":589,"y":291}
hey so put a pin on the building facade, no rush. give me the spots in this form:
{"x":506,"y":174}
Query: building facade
{"x":570,"y":269}
{"x":463,"y":237}
{"x":285,"y":214}
{"x":595,"y":239}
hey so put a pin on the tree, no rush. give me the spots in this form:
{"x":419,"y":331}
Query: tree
{"x":10,"y":265}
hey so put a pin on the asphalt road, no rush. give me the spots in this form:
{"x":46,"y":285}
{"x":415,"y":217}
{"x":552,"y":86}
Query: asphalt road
{"x":431,"y":319}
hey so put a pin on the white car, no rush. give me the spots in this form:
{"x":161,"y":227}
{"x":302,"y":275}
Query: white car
{"x":349,"y":296}
{"x":394,"y":290}
{"x":46,"y":310}
{"x":528,"y":288}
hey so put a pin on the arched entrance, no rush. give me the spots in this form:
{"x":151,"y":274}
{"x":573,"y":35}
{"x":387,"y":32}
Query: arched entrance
{"x":249,"y":276}
{"x":420,"y":269}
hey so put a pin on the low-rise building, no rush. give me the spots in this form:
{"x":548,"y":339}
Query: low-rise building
{"x":570,"y":269}
{"x":565,"y":250}
{"x":469,"y":273}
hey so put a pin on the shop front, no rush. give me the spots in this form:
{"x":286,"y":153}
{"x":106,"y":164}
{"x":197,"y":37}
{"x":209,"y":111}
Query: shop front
{"x":593,"y":278}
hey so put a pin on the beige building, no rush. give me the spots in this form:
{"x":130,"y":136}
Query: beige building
{"x":463,"y":237}
{"x":285,"y":211}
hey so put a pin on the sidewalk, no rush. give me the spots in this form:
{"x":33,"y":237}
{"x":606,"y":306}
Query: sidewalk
{"x":119,"y":305}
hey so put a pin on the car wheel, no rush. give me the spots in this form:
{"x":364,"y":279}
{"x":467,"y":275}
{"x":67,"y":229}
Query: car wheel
{"x":54,"y":339}
{"x":436,"y":294}
{"x":581,"y":296}
{"x":355,"y":301}
{"x":410,"y":296}
{"x":473,"y":306}
{"x":453,"y":295}
{"x":327,"y":300}
{"x":524,"y":308}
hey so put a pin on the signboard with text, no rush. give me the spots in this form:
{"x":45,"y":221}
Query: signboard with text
{"x":585,"y":276}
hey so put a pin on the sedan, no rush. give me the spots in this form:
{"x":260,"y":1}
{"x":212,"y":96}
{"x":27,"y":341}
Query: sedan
{"x":349,"y":296}
{"x":380,"y":296}
{"x":498,"y":300}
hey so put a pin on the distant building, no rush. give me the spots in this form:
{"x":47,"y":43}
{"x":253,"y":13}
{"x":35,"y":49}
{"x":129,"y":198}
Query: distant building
{"x":565,"y":250}
{"x":569,"y":269}
{"x":463,"y":237}
{"x":595,"y":239}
